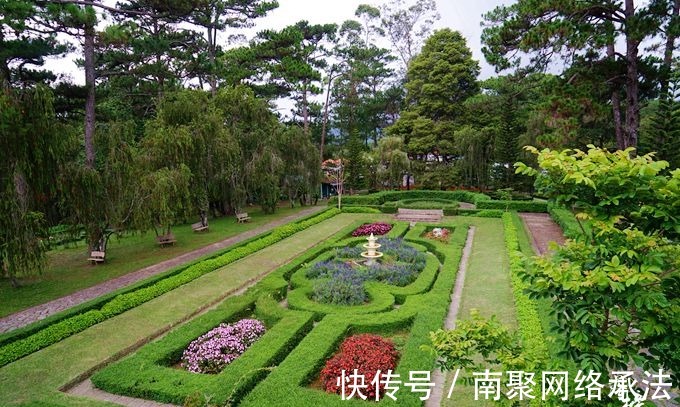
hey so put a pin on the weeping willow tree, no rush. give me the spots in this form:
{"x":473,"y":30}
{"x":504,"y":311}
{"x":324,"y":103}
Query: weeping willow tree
{"x":102,"y":197}
{"x":256,"y":173}
{"x":475,"y":149}
{"x":393,"y":161}
{"x":31,"y":151}
{"x":189,"y":130}
{"x":301,"y":172}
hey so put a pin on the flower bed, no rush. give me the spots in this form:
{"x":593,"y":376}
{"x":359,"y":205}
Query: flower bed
{"x":368,"y":354}
{"x":378,"y":228}
{"x":341,"y":282}
{"x":212,"y":352}
{"x":441,"y":234}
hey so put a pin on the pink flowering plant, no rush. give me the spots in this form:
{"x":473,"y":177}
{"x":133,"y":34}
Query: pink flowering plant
{"x":213,"y":351}
{"x":377,"y":228}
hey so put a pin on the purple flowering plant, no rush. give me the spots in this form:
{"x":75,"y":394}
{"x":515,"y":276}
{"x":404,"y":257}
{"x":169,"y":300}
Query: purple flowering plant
{"x":213,"y":351}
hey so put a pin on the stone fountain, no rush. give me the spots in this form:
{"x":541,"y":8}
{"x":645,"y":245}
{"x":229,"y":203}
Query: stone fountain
{"x":371,"y":252}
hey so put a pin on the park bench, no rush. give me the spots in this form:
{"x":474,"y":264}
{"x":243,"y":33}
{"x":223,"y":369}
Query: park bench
{"x":97,"y":256}
{"x":242,"y":217}
{"x":165,"y":240}
{"x":200,"y":227}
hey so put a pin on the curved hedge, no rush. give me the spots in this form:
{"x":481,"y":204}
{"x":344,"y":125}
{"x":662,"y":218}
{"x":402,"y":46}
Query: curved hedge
{"x":123,"y":302}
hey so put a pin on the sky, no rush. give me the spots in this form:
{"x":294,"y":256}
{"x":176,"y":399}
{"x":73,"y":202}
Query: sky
{"x":464,"y":16}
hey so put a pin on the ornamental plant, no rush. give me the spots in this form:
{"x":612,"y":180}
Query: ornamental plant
{"x":440,"y":234}
{"x":213,"y":351}
{"x":368,"y":354}
{"x":378,"y":228}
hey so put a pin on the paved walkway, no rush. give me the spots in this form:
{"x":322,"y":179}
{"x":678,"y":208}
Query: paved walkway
{"x":38,"y":312}
{"x":87,"y":389}
{"x":542,"y":230}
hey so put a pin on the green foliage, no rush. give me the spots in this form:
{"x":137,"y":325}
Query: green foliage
{"x":62,"y":329}
{"x":521,"y":206}
{"x":354,"y":162}
{"x":31,"y":154}
{"x":603,"y":185}
{"x":614,"y":288}
{"x":436,"y":90}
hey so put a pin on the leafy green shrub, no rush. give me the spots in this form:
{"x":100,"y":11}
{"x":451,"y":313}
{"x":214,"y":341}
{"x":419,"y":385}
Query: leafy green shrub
{"x":481,"y":213}
{"x":360,"y":209}
{"x":520,"y":206}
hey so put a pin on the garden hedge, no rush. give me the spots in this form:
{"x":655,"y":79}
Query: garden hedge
{"x":567,"y":221}
{"x":530,"y":328}
{"x":278,"y":369}
{"x":60,"y":330}
{"x":520,"y":206}
{"x":380,"y":198}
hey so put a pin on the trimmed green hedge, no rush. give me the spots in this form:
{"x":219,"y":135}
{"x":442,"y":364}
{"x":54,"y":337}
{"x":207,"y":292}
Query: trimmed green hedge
{"x":531,"y":331}
{"x":278,"y":368}
{"x":520,"y":206}
{"x":380,"y":198}
{"x":567,"y":221}
{"x":123,"y":302}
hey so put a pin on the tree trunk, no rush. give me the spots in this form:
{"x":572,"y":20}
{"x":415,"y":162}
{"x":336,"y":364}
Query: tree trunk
{"x":325,"y":115}
{"x":668,"y":52}
{"x":616,"y":104}
{"x":632,"y":86}
{"x":305,"y":110}
{"x":88,"y":50}
{"x":212,"y":50}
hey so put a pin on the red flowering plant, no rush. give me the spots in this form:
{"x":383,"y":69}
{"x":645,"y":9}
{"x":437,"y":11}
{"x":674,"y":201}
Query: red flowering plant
{"x":378,"y":228}
{"x":368,"y":354}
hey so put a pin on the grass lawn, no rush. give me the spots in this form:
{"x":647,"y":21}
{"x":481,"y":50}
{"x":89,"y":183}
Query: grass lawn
{"x":69,"y":271}
{"x":487,"y":288}
{"x":35,"y":378}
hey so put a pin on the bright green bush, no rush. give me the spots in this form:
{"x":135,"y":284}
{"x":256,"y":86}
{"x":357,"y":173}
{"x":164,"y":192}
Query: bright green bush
{"x":520,"y":206}
{"x":531,"y":331}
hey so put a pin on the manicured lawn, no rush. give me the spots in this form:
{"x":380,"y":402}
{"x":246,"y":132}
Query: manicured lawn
{"x":34,"y":377}
{"x":487,"y":288}
{"x":69,"y":271}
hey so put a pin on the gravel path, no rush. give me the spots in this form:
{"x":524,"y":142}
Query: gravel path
{"x":437,"y":394}
{"x":542,"y":230}
{"x":87,"y":389}
{"x":38,"y":312}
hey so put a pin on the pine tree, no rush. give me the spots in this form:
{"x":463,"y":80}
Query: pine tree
{"x":355,"y":163}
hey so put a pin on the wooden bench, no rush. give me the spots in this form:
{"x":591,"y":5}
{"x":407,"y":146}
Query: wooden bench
{"x":97,"y":257}
{"x":199,"y":227}
{"x":242,"y":217}
{"x":165,"y":240}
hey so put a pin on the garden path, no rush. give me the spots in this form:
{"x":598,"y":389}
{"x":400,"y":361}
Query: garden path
{"x":435,"y":398}
{"x":542,"y":230}
{"x":38,"y":312}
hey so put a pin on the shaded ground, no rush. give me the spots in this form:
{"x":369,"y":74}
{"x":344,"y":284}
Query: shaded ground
{"x":33,"y":314}
{"x":542,"y":230}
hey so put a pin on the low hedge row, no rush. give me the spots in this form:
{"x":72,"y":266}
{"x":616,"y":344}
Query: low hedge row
{"x":123,"y":302}
{"x":380,"y":198}
{"x":567,"y":221}
{"x":520,"y":206}
{"x":528,"y":319}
